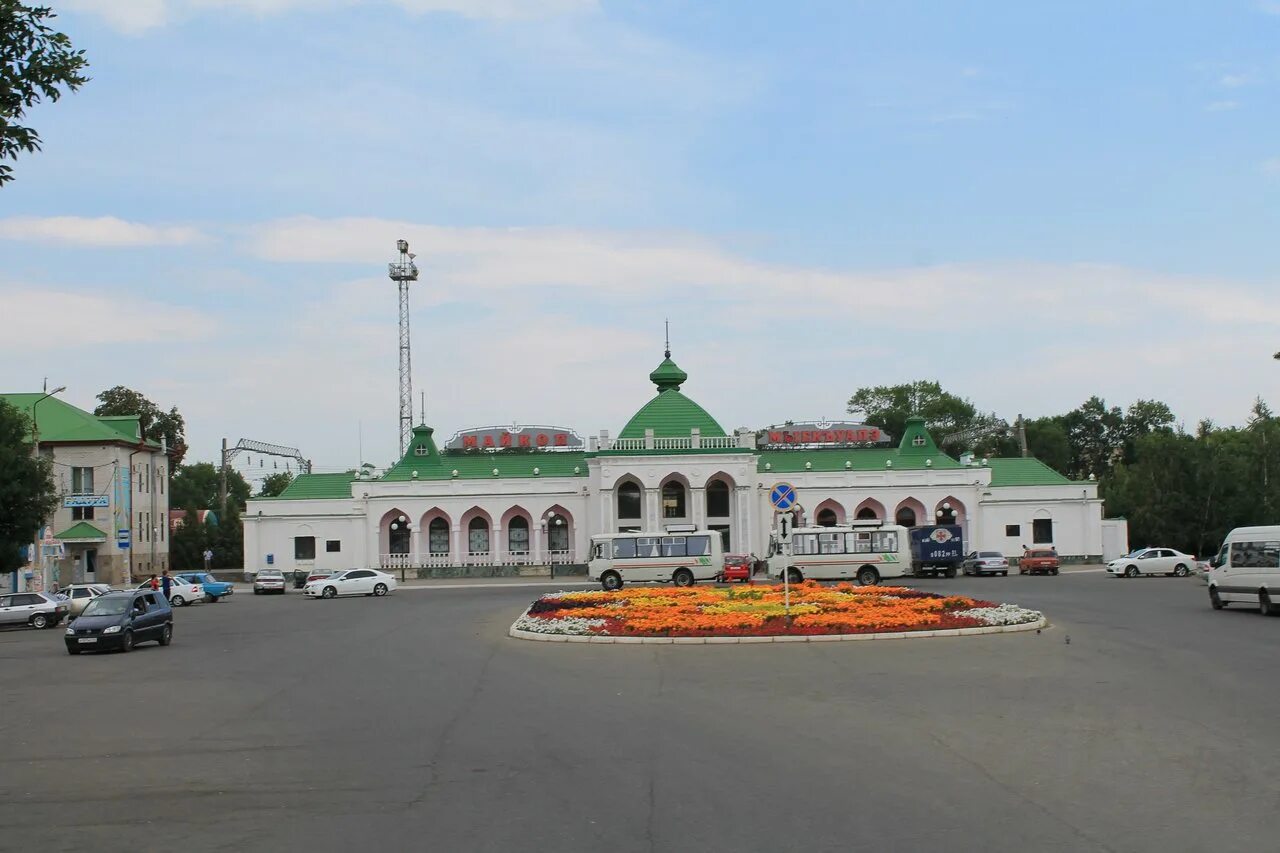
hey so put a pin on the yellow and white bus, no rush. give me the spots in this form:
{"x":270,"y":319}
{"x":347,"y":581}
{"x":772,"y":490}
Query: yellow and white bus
{"x":681,"y":558}
{"x":863,"y":553}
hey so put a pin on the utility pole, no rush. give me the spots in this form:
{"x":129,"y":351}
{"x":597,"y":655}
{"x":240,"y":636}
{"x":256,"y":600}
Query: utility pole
{"x":222,"y":482}
{"x":402,"y":272}
{"x":1022,"y":436}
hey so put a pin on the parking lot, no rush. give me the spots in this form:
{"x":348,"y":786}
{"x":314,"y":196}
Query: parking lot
{"x":1139,"y":721}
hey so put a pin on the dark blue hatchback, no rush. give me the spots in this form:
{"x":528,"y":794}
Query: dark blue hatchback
{"x":120,"y":620}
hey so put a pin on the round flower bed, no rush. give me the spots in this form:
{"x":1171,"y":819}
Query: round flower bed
{"x":714,"y":611}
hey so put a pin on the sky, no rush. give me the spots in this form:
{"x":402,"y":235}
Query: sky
{"x":1030,"y":203}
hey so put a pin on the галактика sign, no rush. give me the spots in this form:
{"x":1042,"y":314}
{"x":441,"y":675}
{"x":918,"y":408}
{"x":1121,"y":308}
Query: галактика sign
{"x":515,"y":437}
{"x":821,"y":434}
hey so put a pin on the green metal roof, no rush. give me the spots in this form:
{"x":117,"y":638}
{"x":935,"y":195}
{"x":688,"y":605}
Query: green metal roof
{"x":1017,"y":471}
{"x":82,"y":531}
{"x":312,"y":486}
{"x":670,"y":414}
{"x":858,"y":459}
{"x":61,"y":421}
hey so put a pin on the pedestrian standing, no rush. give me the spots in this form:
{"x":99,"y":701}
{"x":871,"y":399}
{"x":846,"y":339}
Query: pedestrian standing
{"x":155,"y":583}
{"x":208,"y":559}
{"x":167,"y":583}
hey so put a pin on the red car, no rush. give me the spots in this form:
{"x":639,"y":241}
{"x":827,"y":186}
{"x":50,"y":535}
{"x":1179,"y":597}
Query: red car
{"x":737,"y":567}
{"x":1036,"y":560}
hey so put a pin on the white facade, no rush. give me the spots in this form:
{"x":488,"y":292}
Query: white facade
{"x":672,"y":466}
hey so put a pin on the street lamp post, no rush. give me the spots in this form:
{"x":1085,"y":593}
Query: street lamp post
{"x":37,"y":560}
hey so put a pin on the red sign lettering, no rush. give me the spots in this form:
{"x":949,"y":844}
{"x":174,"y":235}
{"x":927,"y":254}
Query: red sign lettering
{"x":542,"y":439}
{"x":524,"y":441}
{"x":468,"y":441}
{"x":562,"y":439}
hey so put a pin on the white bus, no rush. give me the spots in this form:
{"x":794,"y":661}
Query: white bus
{"x":1247,"y":570}
{"x":682,"y":558}
{"x":864,"y":553}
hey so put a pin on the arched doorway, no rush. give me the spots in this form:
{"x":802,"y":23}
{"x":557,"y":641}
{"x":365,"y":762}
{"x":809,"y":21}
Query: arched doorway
{"x":719,"y":506}
{"x":518,"y":537}
{"x":557,"y":524}
{"x":395,"y":534}
{"x":949,"y":511}
{"x":827,"y":517}
{"x":438,"y":537}
{"x":630,"y":506}
{"x":828,"y":513}
{"x":870,"y":510}
{"x":675,"y":500}
{"x":911,"y":513}
{"x":478,"y":537}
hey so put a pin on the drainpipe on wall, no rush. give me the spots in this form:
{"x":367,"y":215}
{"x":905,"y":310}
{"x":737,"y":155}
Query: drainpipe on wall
{"x":133,"y":540}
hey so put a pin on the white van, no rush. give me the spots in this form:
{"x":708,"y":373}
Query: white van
{"x":1247,"y":570}
{"x":865,"y":553}
{"x":682,"y":558}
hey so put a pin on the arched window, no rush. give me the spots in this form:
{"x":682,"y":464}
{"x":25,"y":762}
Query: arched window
{"x":558,"y":533}
{"x":946,"y":514}
{"x":438,"y":536}
{"x":673,"y":500}
{"x":906,"y":517}
{"x":717,"y":499}
{"x":518,"y":535}
{"x":827,"y":518}
{"x":398,"y":536}
{"x":867,"y":514}
{"x":629,"y":500}
{"x":478,"y":536}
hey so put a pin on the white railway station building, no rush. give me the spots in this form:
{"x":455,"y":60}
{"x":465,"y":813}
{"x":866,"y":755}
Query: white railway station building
{"x":497,"y":500}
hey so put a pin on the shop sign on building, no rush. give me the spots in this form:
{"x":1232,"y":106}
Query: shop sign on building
{"x":821,"y":434}
{"x":74,"y":501}
{"x":515,"y":437}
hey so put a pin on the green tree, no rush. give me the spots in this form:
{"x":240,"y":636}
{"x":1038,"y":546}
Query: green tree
{"x":1096,"y":433}
{"x":889,"y":406}
{"x":274,"y":484}
{"x":1047,"y":441}
{"x":156,"y":423}
{"x":27,"y":495}
{"x":196,"y":486}
{"x":36,"y":62}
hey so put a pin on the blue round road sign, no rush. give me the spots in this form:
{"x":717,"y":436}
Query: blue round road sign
{"x":783,"y":496}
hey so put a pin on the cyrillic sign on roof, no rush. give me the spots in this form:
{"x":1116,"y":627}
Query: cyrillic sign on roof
{"x":821,"y":434}
{"x":515,"y":437}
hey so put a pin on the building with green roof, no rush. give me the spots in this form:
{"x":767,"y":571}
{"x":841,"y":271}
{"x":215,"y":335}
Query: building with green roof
{"x":515,"y":499}
{"x":112,"y":520}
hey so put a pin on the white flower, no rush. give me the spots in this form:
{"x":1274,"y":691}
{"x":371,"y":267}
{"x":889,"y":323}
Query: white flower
{"x":563,"y":625}
{"x":1004,"y":614}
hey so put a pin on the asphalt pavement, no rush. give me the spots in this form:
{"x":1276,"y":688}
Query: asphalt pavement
{"x":1140,"y":720}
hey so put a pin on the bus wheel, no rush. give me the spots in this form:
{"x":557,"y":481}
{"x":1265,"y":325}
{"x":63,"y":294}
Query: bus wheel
{"x":868,"y":576}
{"x":683,"y":577}
{"x":950,"y":573}
{"x":611,"y":581}
{"x":794,"y":576}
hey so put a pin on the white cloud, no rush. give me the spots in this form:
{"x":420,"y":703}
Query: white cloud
{"x":1269,"y":7}
{"x":102,"y":231}
{"x":1222,"y":106}
{"x":1271,"y":167}
{"x":137,"y":16}
{"x":62,"y":322}
{"x":1235,"y":81}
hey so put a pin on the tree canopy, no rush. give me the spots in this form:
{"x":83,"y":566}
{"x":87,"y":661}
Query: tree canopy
{"x":274,"y":484}
{"x":36,"y":63}
{"x":27,"y":496}
{"x":196,"y":487}
{"x":156,"y":423}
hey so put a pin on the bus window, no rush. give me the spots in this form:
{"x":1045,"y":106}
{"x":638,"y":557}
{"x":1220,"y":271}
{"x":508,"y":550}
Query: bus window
{"x":624,"y":548}
{"x":829,"y":543}
{"x":647,"y":546}
{"x":673,"y":546}
{"x":858,"y":542}
{"x":698,"y":546}
{"x":804,"y":543}
{"x":885,"y":542}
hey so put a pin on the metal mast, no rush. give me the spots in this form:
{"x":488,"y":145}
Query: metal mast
{"x":402,"y":272}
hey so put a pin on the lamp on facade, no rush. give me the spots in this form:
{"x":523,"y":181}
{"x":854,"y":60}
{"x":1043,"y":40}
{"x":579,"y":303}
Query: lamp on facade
{"x":888,"y":463}
{"x":455,"y":472}
{"x":847,"y":464}
{"x":928,"y":463}
{"x":536,"y":472}
{"x":414,"y":475}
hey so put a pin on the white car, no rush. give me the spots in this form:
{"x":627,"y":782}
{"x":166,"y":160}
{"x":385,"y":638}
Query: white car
{"x":1152,"y":561}
{"x":269,"y":580}
{"x":181,"y":592}
{"x":80,"y":594}
{"x":351,"y":582}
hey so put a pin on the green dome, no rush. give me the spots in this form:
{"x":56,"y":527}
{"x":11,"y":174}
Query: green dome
{"x":670,"y":414}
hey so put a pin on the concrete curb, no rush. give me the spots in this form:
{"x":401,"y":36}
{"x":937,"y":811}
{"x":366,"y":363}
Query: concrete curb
{"x":519,"y":634}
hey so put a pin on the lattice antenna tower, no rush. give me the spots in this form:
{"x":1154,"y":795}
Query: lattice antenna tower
{"x":402,"y":272}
